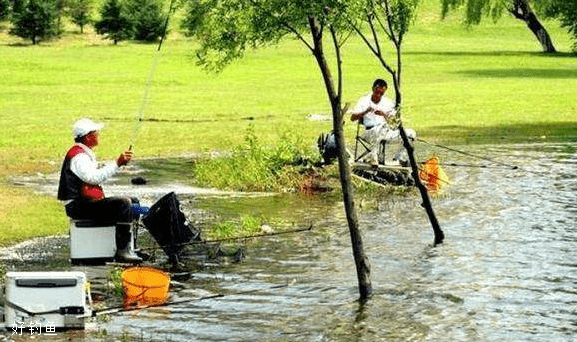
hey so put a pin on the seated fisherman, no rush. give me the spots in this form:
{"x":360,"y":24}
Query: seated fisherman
{"x":374,"y":110}
{"x":79,"y":187}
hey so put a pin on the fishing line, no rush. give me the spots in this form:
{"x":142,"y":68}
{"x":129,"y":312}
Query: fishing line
{"x":470,"y":165}
{"x":140,"y":112}
{"x":513,"y":167}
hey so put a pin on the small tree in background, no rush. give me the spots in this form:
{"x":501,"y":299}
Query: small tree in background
{"x":227,"y":28}
{"x":147,"y":19}
{"x":35,"y":20}
{"x":475,"y":10}
{"x":17,"y":5}
{"x":80,"y":12}
{"x":114,"y":23}
{"x":390,"y":20}
{"x":4,"y":9}
{"x":565,"y":11}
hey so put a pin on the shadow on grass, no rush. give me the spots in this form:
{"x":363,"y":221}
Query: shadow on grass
{"x":523,"y":72}
{"x":492,"y":54}
{"x":503,"y":134}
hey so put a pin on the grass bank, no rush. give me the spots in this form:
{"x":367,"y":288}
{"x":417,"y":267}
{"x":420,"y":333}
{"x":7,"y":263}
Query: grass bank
{"x":486,"y":84}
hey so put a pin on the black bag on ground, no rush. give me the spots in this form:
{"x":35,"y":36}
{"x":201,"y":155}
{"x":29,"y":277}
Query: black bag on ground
{"x":327,"y":147}
{"x":168,"y":225}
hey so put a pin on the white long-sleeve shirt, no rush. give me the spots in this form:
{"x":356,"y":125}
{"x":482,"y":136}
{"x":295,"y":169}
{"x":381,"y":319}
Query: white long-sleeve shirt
{"x":385,"y":105}
{"x":85,"y":166}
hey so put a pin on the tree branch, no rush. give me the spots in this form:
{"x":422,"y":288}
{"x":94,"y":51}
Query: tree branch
{"x":298,"y":35}
{"x":374,"y":33}
{"x":362,"y":35}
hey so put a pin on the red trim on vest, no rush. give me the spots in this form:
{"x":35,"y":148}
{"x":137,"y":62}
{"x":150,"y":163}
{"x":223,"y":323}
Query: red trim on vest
{"x":74,"y":151}
{"x":92,"y":192}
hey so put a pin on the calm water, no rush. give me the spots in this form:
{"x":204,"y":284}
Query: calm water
{"x":507,"y":270}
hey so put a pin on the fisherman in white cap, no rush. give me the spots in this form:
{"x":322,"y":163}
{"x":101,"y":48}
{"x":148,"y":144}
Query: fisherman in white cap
{"x":80,"y":188}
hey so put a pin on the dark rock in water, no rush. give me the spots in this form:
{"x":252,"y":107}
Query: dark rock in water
{"x":386,"y":177}
{"x":181,"y":276}
{"x":239,"y":255}
{"x":138,"y":181}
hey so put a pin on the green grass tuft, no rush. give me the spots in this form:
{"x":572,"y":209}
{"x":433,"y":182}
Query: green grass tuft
{"x":253,"y":166}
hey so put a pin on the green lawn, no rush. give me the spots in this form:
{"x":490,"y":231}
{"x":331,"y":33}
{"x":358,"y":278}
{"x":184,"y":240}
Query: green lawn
{"x":485,"y":84}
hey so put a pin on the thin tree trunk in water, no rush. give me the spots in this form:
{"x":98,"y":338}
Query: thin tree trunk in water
{"x":439,"y":236}
{"x":396,"y":39}
{"x":522,"y":11}
{"x":361,"y":260}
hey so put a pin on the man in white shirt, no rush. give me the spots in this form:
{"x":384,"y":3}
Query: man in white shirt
{"x":80,"y":188}
{"x":374,"y":110}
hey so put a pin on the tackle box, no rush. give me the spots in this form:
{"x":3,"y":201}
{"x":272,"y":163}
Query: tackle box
{"x":45,"y":299}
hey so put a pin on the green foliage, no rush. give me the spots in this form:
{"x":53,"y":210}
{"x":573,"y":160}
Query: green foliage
{"x":227,"y":28}
{"x":35,"y":20}
{"x":476,"y":10}
{"x":114,"y":277}
{"x":18,"y":6}
{"x":4,"y":9}
{"x":565,"y":11}
{"x":114,"y":22}
{"x":402,"y":14}
{"x":392,"y":16}
{"x":147,"y":19}
{"x":222,"y":28}
{"x":254,"y":167}
{"x":80,"y":12}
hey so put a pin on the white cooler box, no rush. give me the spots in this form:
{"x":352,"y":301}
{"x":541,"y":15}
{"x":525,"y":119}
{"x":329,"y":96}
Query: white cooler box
{"x":91,"y":243}
{"x":45,"y":299}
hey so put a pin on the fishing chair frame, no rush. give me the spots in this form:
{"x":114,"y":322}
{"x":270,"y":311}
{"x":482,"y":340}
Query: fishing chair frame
{"x":366,"y":145}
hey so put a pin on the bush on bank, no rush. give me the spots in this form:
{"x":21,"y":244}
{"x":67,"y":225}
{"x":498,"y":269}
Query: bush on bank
{"x":251,"y":166}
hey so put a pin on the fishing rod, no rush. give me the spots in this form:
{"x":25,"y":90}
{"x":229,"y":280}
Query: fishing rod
{"x":123,"y":308}
{"x":298,"y":230}
{"x":140,"y":112}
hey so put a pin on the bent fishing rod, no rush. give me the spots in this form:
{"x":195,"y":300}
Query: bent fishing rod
{"x":234,"y":238}
{"x":123,"y":308}
{"x":140,"y":112}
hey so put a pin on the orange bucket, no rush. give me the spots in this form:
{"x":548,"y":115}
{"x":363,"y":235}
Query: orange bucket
{"x":145,"y":286}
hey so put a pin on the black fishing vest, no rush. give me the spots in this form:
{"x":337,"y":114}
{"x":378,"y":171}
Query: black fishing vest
{"x":70,"y":184}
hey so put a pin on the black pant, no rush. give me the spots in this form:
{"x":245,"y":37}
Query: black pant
{"x":109,"y":210}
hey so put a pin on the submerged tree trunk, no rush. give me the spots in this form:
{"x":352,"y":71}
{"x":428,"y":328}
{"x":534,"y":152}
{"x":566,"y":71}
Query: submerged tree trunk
{"x":522,"y":11}
{"x":361,"y":260}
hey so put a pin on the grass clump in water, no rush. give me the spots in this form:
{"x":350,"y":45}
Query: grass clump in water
{"x":114,"y":276}
{"x":254,"y":167}
{"x":248,"y":225}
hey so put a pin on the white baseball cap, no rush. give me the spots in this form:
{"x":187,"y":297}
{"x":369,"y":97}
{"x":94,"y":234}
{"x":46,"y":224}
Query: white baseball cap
{"x":85,"y":126}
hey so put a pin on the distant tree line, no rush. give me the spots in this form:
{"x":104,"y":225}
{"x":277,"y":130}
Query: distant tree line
{"x":40,"y":20}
